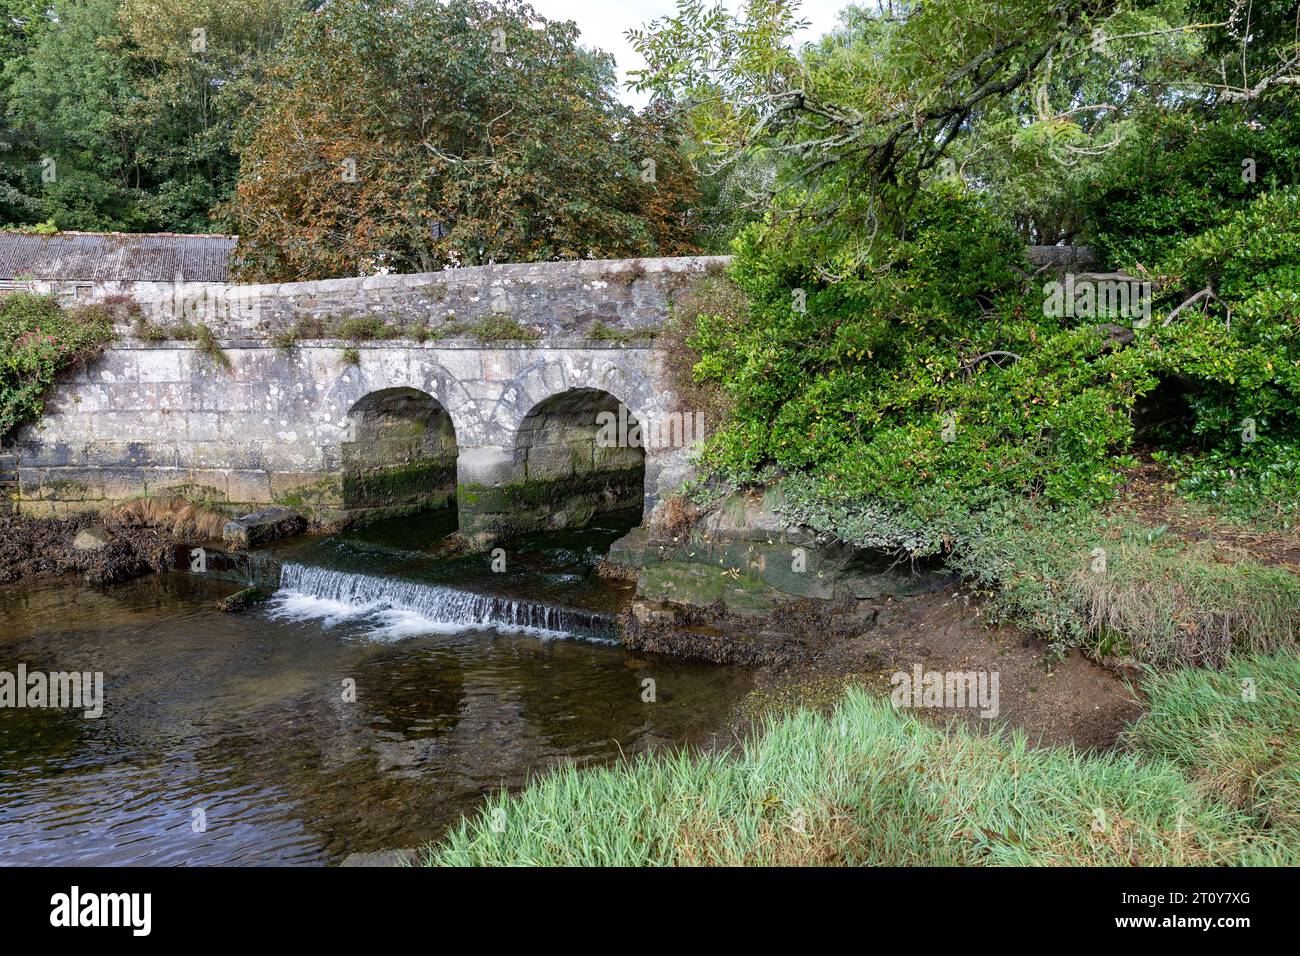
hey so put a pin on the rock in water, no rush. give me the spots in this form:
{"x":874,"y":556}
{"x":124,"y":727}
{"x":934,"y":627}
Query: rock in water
{"x":262,"y":527}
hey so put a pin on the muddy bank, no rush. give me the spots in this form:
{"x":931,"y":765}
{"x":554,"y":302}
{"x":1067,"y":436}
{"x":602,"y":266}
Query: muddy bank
{"x":102,"y":552}
{"x":1072,"y":701}
{"x":790,"y":632}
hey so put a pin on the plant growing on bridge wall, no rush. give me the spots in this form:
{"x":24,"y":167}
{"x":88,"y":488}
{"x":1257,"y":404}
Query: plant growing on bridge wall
{"x":208,"y":345}
{"x":503,"y":328}
{"x":38,"y":340}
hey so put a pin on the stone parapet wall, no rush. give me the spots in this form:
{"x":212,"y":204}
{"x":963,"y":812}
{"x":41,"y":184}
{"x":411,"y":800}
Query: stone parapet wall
{"x":553,"y":298}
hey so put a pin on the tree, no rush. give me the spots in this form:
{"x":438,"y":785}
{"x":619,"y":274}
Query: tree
{"x":417,"y":135}
{"x":77,"y":150}
{"x":859,"y":122}
{"x":196,"y":64}
{"x":122,"y":111}
{"x":20,"y":21}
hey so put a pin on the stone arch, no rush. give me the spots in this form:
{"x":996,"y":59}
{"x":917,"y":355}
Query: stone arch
{"x":398,"y":453}
{"x":576,"y":454}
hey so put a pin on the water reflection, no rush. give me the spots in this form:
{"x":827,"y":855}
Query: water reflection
{"x":228,"y":739}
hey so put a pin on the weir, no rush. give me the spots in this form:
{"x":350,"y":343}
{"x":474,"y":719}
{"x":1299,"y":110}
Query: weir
{"x":439,"y":606}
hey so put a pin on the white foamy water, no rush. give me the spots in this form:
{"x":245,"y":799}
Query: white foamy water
{"x":390,"y":608}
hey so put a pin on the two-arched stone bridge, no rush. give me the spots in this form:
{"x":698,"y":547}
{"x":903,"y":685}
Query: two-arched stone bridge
{"x":533,"y":432}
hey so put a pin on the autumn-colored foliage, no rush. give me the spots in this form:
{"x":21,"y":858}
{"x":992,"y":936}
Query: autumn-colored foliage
{"x":415,"y":136}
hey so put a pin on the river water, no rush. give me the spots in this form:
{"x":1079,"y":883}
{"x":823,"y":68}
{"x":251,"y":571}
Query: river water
{"x":383,"y":691}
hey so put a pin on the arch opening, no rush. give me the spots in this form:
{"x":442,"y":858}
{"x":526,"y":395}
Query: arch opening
{"x":579,"y":454}
{"x":400,"y":454}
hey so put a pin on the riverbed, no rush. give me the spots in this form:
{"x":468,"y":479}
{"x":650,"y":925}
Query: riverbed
{"x":386,"y":688}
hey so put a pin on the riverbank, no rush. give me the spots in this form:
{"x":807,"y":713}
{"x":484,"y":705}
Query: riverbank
{"x":82,"y":544}
{"x":1071,"y":701}
{"x":1207,"y":777}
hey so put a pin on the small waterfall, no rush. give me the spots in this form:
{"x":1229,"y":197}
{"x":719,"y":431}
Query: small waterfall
{"x":427,"y":607}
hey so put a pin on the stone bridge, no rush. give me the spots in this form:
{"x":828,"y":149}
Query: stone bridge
{"x":515,"y":390}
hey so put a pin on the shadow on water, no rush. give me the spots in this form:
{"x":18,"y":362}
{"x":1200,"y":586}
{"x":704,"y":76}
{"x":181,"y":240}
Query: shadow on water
{"x":228,"y":739}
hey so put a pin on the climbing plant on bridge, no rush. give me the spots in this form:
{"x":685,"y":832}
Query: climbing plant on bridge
{"x":38,"y":339}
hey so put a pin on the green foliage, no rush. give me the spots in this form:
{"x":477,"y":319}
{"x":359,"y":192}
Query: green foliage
{"x":1182,"y":173}
{"x":1144,"y":594}
{"x":1236,"y":358}
{"x":38,"y":339}
{"x":503,"y":328}
{"x":899,"y":421}
{"x":415,"y":136}
{"x":362,"y":328}
{"x":208,"y":345}
{"x":974,"y":799}
{"x":137,"y":122}
{"x":888,"y":384}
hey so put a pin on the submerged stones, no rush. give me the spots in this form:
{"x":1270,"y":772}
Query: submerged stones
{"x":242,"y":600}
{"x":745,"y":586}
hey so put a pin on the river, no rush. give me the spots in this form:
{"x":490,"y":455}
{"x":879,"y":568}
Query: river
{"x":382,"y":692}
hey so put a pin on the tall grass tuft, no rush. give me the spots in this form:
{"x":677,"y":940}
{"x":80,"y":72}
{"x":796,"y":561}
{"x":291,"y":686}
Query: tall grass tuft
{"x":1236,"y":733}
{"x":866,"y":785}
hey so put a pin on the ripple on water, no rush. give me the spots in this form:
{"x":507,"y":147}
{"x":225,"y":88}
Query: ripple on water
{"x":242,"y":717}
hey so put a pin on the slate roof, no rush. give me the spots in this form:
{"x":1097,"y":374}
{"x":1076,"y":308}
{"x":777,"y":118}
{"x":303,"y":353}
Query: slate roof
{"x":115,"y":256}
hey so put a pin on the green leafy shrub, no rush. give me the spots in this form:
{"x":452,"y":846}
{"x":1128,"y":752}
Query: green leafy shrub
{"x":38,"y":340}
{"x":927,"y":372}
{"x":1181,"y":174}
{"x":1235,"y":358}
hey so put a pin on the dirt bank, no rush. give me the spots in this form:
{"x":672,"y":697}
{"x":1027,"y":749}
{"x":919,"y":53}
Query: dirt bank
{"x":114,"y":548}
{"x":1071,"y":701}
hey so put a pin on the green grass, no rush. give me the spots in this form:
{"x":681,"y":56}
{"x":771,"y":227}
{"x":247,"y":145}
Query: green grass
{"x":870,"y":785}
{"x":503,"y":328}
{"x":208,"y":345}
{"x":1236,"y":733}
{"x":1159,"y":598}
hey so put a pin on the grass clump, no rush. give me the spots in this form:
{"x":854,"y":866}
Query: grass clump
{"x":503,"y":328}
{"x":601,"y":332}
{"x":364,"y":328}
{"x":1236,"y":733}
{"x":869,"y":785}
{"x":350,"y":356}
{"x":208,"y":345}
{"x":284,"y":339}
{"x":1112,"y":586}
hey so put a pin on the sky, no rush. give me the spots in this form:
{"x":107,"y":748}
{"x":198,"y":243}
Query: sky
{"x":602,"y":23}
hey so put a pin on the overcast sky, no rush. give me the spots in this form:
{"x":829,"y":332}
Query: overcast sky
{"x":602,"y":23}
